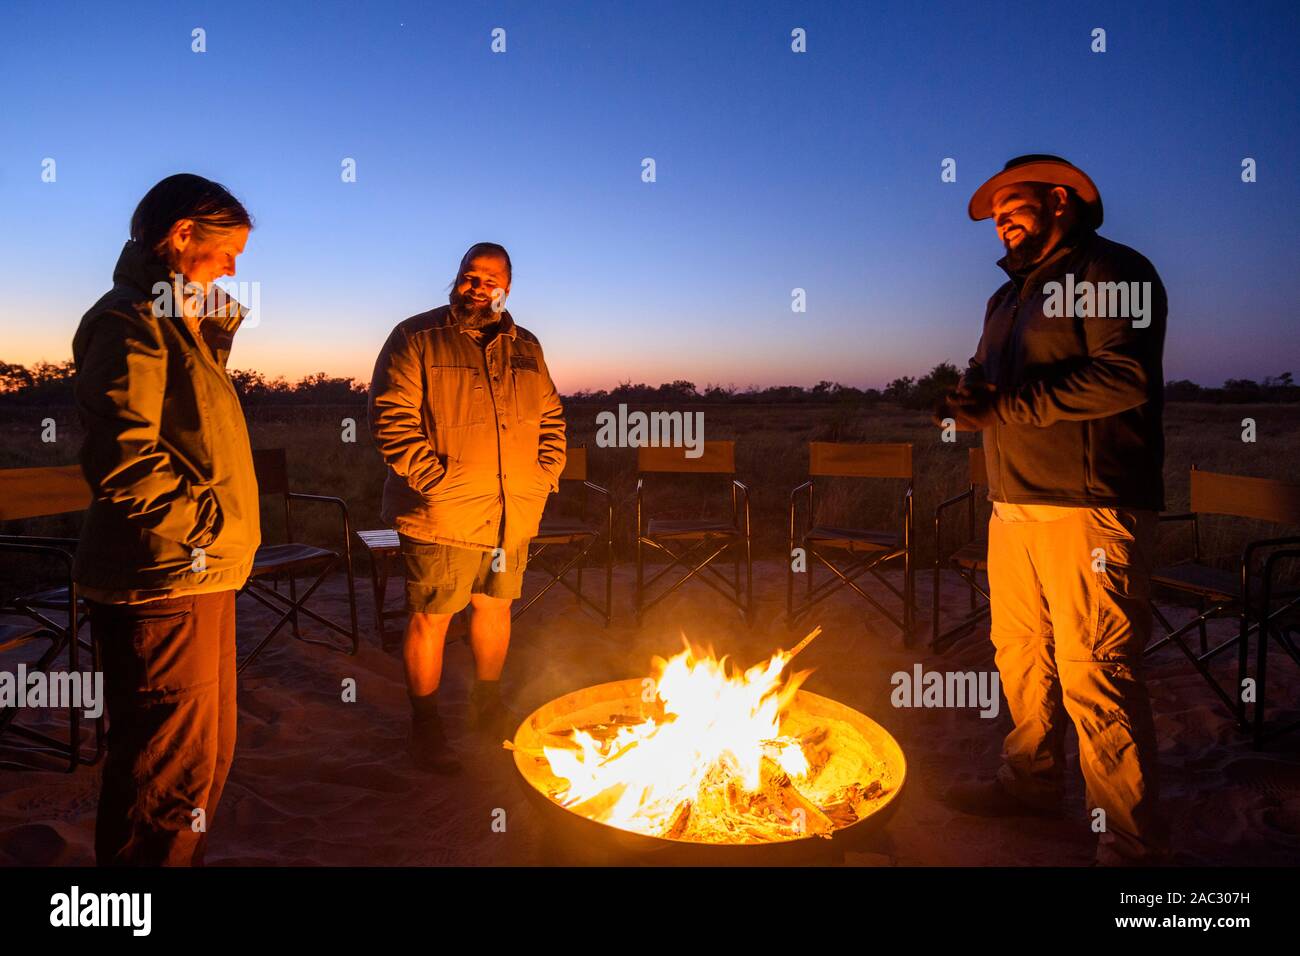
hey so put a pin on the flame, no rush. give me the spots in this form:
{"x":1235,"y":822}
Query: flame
{"x":716,"y":728}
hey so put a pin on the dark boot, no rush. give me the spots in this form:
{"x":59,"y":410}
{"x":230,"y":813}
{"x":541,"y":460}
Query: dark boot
{"x":488,"y":713}
{"x":429,"y":747}
{"x":988,"y":798}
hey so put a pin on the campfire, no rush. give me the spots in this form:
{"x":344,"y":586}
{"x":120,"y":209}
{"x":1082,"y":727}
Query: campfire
{"x":705,"y":753}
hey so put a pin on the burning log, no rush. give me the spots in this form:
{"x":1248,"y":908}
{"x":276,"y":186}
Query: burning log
{"x":681,"y":818}
{"x":781,"y":791}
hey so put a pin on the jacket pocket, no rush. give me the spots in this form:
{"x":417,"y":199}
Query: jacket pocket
{"x":208,"y":519}
{"x":528,"y":392}
{"x":457,"y":396}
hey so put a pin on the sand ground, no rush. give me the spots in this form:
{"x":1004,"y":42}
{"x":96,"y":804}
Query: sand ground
{"x":318,"y":781}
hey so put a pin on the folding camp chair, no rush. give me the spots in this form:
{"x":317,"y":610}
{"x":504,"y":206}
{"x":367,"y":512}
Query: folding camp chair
{"x":695,"y":543}
{"x":54,"y":615}
{"x":579,"y":535}
{"x":293,"y":559}
{"x":968,"y":557}
{"x":1283,"y":624}
{"x":1218,"y":593}
{"x":865,"y":550}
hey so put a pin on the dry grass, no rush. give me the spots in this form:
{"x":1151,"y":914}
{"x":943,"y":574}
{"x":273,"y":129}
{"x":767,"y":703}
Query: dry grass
{"x":772,"y":459}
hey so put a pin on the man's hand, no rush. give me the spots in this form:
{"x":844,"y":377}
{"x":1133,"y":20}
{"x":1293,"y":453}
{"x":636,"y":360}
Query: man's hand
{"x":972,"y":407}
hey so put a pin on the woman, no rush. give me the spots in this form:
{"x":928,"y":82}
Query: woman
{"x":173,"y":524}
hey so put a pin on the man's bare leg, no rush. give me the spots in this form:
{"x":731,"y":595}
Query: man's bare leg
{"x":489,"y":637}
{"x":422,"y":652}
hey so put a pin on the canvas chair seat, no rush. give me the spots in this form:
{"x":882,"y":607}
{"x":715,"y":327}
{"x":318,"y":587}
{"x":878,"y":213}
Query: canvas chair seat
{"x":688,"y":527}
{"x":855,"y":539}
{"x":1213,"y":583}
{"x":48,"y":599}
{"x":566,"y":530}
{"x":277,"y":558}
{"x":973,"y":555}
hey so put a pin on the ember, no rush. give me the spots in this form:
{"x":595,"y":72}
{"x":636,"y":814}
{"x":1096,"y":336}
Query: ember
{"x":707,"y":755}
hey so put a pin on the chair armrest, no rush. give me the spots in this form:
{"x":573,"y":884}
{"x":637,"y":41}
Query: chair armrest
{"x":609,"y":502}
{"x":1179,"y":516}
{"x":640,"y":519}
{"x":744,"y":490}
{"x":1248,"y":552}
{"x":954,"y":500}
{"x":343,"y":509}
{"x":15,"y":544}
{"x":939,"y":554}
{"x":592,"y":486}
{"x":1275,"y":558}
{"x":65,"y":543}
{"x":1248,"y":555}
{"x":794,"y":510}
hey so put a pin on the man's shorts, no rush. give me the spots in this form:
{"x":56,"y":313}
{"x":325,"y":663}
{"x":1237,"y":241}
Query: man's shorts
{"x":441,"y":577}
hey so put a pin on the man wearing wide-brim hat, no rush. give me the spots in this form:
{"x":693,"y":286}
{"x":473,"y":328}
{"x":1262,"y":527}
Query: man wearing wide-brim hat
{"x":1066,"y":386}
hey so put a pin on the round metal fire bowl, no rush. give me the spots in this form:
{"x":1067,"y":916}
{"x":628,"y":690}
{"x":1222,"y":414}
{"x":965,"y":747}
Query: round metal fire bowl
{"x":580,"y":839}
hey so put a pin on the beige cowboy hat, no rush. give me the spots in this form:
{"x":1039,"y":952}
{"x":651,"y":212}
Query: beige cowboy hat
{"x":1038,"y":168}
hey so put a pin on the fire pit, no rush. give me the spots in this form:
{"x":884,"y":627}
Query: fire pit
{"x":702,"y":764}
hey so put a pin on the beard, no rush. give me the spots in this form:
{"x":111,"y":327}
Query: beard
{"x":1030,"y":249}
{"x":472,"y":314}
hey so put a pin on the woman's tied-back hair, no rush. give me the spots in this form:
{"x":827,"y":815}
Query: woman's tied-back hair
{"x":185,"y":196}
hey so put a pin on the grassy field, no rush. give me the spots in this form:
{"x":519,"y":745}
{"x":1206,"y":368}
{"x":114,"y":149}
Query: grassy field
{"x":772,"y":460}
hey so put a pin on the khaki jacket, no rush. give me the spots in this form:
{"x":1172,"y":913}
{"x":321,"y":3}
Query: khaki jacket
{"x":166,"y":451}
{"x":473,"y":437}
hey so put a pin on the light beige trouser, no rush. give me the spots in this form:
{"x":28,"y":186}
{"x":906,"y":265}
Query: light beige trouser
{"x":1070,"y":618}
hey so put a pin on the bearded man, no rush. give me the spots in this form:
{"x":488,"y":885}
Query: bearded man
{"x":1069,"y":399}
{"x":464,"y":413}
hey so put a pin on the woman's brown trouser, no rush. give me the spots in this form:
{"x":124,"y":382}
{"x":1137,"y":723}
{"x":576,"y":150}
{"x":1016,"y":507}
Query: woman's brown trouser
{"x":1070,"y":617}
{"x":169,"y":681}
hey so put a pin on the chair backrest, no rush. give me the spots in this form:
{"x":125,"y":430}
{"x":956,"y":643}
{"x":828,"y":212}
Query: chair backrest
{"x":717,"y":458}
{"x":575,"y":464}
{"x":978,"y":469}
{"x":1267,"y":499}
{"x":39,"y":492}
{"x":272,"y":471}
{"x":846,"y":460}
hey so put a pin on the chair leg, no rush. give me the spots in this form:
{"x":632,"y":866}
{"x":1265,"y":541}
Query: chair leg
{"x":1261,"y":674}
{"x":293,"y":596}
{"x":1205,"y":637}
{"x":609,"y":580}
{"x":352,"y":607}
{"x":749,"y":582}
{"x":934,"y":608}
{"x":909,"y":600}
{"x":1243,"y":664}
{"x":640,"y":578}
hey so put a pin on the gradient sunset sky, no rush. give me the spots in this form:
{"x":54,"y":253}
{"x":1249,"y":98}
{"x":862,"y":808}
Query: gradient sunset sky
{"x":775,"y":170}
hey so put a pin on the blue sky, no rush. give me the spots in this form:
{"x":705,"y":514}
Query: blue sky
{"x":775,"y":170}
